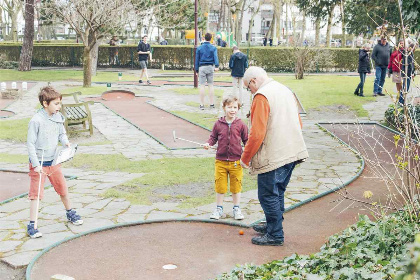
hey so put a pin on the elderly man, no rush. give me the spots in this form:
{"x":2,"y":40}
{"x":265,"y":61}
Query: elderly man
{"x":275,"y":145}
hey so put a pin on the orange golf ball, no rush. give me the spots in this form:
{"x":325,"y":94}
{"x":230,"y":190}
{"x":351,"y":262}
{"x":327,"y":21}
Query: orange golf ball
{"x":241,"y":232}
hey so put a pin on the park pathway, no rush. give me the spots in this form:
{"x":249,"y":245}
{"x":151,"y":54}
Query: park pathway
{"x":330,"y":164}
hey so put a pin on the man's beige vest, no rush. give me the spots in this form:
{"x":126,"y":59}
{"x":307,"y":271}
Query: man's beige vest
{"x":283,"y":142}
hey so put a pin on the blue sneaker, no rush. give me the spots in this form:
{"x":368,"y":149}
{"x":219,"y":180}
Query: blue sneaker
{"x":32,"y":232}
{"x":74,"y":218}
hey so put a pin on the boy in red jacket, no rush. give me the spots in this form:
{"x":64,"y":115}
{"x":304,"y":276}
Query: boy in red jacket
{"x":229,"y":131}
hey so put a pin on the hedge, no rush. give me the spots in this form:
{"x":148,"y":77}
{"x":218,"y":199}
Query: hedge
{"x":273,"y":59}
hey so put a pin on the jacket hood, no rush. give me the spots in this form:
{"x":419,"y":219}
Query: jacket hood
{"x":57,"y":117}
{"x":239,"y":55}
{"x":223,"y":120}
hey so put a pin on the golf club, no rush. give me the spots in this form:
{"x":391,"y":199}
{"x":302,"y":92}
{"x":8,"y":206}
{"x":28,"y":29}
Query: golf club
{"x":173,"y":134}
{"x":39,"y":191}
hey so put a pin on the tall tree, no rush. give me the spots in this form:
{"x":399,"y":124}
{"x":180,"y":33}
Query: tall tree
{"x":28,"y":39}
{"x":12,"y":9}
{"x":92,"y":20}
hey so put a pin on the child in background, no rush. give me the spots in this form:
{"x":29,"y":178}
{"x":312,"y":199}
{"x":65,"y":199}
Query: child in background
{"x":229,"y":131}
{"x":45,"y":130}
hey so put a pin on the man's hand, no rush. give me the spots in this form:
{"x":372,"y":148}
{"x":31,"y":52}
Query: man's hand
{"x":216,"y":69}
{"x":38,"y":169}
{"x":244,"y":165}
{"x":206,"y":146}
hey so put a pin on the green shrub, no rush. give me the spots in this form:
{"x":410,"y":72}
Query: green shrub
{"x":181,"y":57}
{"x":8,"y":64}
{"x":366,"y":250}
{"x":394,"y":116}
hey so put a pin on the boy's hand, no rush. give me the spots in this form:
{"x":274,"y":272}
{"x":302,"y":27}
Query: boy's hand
{"x":206,"y":146}
{"x":244,"y":165}
{"x":38,"y":169}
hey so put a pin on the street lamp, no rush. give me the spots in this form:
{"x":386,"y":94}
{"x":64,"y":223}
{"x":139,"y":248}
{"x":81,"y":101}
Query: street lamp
{"x":195,"y":42}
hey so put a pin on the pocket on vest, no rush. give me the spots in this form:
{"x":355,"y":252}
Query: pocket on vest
{"x":260,"y":159}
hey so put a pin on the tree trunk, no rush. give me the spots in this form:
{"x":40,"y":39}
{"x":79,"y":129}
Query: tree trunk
{"x":241,"y":19}
{"x":94,"y":57}
{"x":279,"y":19}
{"x":287,"y":25}
{"x":330,"y":16}
{"x":317,"y":31}
{"x":343,"y":26}
{"x":13,"y":30}
{"x":87,"y":73}
{"x":302,"y":37}
{"x":28,"y":40}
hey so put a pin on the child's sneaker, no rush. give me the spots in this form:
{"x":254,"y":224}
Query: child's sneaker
{"x":217,"y":214}
{"x":74,"y":218}
{"x":140,"y":81}
{"x":201,"y":107}
{"x":32,"y":232}
{"x":212,"y":106}
{"x":237,"y":214}
{"x":149,"y":82}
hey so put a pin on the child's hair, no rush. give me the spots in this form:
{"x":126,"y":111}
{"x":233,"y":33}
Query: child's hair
{"x":48,"y":94}
{"x":230,"y":99}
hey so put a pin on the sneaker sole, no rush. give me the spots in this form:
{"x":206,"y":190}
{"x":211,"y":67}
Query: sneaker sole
{"x":239,"y":218}
{"x":267,"y":244}
{"x":36,"y":235}
{"x":77,"y":223}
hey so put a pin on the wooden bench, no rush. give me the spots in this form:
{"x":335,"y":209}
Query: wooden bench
{"x":77,"y":113}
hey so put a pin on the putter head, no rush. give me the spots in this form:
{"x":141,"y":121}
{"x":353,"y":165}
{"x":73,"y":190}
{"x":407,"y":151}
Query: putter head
{"x":173,"y":134}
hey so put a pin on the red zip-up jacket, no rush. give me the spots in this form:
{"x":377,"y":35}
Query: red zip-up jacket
{"x":229,"y":139}
{"x":395,"y":61}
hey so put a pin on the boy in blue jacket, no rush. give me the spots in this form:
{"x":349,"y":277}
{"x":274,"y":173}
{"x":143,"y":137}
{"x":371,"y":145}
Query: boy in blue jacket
{"x":238,"y":63}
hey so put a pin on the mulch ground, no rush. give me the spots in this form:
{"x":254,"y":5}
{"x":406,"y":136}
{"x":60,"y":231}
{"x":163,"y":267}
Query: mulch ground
{"x":205,"y":250}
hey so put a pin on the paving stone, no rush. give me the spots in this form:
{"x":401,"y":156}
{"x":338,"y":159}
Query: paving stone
{"x":14,"y":206}
{"x":3,"y":234}
{"x":139,"y":209}
{"x":104,"y":186}
{"x":9,"y":225}
{"x":45,"y":241}
{"x":21,"y":215}
{"x":90,"y":224}
{"x":99,"y":204}
{"x":117,"y":205}
{"x":84,"y":199}
{"x":164,"y":206}
{"x":20,"y":259}
{"x":160,"y":215}
{"x":108,"y":214}
{"x":86,"y":212}
{"x":56,"y":227}
{"x":127,"y":218}
{"x":9,"y":245}
{"x":53,"y":209}
{"x":18,"y":236}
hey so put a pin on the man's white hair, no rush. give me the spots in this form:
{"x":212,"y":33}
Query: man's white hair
{"x":254,"y":72}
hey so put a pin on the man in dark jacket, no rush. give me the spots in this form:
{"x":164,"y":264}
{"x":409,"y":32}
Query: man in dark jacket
{"x":144,"y":51}
{"x":238,"y":63}
{"x":380,"y":55}
{"x":206,"y":62}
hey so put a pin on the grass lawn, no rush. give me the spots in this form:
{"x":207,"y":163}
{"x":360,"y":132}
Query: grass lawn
{"x":317,"y":91}
{"x":159,"y":173}
{"x":14,"y":130}
{"x":60,"y":75}
{"x":13,"y":158}
{"x":94,"y":90}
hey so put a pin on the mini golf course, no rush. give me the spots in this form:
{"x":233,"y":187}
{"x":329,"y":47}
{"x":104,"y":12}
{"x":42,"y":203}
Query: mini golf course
{"x":203,"y":249}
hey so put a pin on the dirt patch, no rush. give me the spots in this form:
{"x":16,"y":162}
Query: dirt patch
{"x":331,"y":113}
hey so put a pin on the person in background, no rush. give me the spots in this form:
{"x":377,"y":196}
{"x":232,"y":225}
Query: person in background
{"x":380,"y":55}
{"x":206,"y":62}
{"x":144,"y":51}
{"x":394,"y":66}
{"x":238,"y":63}
{"x":363,"y":69}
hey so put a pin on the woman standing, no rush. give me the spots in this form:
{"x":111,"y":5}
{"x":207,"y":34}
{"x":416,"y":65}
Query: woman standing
{"x":394,"y":66}
{"x":364,"y":68}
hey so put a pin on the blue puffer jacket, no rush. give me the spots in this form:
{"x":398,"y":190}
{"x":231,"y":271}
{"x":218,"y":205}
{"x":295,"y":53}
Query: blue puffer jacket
{"x":206,"y":55}
{"x":238,"y":63}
